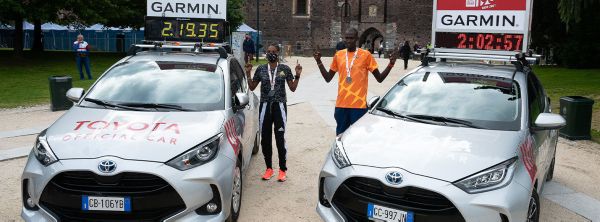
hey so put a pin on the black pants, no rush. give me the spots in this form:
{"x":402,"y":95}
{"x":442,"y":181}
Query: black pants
{"x":273,"y":114}
{"x":406,"y":62}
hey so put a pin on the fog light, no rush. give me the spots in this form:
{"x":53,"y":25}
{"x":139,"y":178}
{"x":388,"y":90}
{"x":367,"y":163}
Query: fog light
{"x":211,"y":207}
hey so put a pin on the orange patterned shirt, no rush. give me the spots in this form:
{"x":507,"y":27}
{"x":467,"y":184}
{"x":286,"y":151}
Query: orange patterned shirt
{"x":353,"y":94}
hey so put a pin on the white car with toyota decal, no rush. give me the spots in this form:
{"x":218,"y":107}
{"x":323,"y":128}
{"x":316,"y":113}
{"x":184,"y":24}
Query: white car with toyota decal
{"x":455,"y":139}
{"x":163,"y":135}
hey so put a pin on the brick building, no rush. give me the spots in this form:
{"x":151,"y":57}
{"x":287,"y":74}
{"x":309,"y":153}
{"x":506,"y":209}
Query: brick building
{"x":304,"y":24}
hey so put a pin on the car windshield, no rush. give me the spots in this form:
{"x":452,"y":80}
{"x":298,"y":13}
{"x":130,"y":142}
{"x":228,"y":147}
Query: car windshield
{"x":159,"y":85}
{"x":470,"y":100}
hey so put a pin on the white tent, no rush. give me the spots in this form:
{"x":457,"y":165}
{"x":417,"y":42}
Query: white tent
{"x":245,"y":28}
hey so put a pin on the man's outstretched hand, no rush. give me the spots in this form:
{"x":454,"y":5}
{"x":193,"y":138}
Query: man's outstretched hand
{"x":317,"y":55}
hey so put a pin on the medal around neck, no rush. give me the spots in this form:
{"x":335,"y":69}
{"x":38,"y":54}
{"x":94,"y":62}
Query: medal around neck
{"x":348,"y":79}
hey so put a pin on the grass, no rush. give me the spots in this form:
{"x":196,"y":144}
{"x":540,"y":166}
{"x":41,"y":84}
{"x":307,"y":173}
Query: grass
{"x":560,"y":82}
{"x":24,"y":82}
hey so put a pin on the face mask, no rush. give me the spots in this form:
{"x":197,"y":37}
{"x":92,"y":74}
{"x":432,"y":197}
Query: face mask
{"x":272,"y":57}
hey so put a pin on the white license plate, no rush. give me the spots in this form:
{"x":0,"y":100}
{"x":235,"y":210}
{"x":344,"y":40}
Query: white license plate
{"x":106,"y":203}
{"x":380,"y":213}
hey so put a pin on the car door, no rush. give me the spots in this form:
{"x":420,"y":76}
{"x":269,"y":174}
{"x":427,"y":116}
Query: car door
{"x":550,"y":136}
{"x":244,"y":115}
{"x":537,"y":105}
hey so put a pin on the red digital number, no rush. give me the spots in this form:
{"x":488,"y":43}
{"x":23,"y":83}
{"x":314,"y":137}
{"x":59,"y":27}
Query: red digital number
{"x":463,"y":38}
{"x":519,"y":41}
{"x":480,"y":41}
{"x":508,"y":43}
{"x":490,"y":41}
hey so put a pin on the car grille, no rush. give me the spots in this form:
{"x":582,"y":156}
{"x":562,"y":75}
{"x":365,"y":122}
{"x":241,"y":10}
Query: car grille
{"x":353,"y":196}
{"x":152,"y":198}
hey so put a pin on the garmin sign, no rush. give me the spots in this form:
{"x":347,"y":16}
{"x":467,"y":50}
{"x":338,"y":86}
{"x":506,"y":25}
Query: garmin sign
{"x":491,"y":27}
{"x":497,"y":15}
{"x":213,"y":9}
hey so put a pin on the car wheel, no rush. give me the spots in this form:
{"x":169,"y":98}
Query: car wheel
{"x":550,"y":173}
{"x":256,"y":144}
{"x":236,"y":194}
{"x":533,"y":214}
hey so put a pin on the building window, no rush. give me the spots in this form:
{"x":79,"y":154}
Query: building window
{"x":301,"y":7}
{"x":372,"y":11}
{"x":346,"y":10}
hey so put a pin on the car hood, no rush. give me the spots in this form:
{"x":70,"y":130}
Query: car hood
{"x":442,"y":152}
{"x":150,"y":136}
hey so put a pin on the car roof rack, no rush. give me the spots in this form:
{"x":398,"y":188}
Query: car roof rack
{"x":196,"y":47}
{"x":521,"y":61}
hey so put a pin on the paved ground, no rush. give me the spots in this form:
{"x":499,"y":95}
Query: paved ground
{"x":310,"y":115}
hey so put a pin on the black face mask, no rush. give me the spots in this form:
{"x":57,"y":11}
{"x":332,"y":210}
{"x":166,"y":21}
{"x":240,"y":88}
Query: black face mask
{"x":272,"y":57}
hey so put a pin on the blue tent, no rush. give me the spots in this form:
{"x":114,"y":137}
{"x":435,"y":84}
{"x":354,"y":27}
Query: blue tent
{"x":59,"y":37}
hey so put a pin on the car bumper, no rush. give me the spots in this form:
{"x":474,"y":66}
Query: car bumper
{"x":510,"y":201}
{"x":195,"y":187}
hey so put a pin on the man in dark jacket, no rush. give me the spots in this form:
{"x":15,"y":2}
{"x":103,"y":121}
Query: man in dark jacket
{"x":248,"y":48}
{"x":405,"y":52}
{"x":82,"y":53}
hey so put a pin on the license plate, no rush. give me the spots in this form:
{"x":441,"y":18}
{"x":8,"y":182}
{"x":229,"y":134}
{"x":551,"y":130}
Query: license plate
{"x":380,"y":213}
{"x":91,"y":203}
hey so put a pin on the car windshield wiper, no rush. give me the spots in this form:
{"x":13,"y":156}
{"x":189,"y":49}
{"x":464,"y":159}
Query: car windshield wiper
{"x":446,"y":120}
{"x":156,"y":105}
{"x":399,"y":115}
{"x":109,"y":104}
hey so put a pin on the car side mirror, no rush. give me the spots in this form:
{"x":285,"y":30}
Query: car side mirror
{"x":74,"y":94}
{"x":372,"y":102}
{"x":241,"y":100}
{"x":549,"y":121}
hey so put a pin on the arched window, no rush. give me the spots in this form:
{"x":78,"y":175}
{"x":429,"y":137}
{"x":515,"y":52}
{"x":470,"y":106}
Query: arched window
{"x":346,"y":9}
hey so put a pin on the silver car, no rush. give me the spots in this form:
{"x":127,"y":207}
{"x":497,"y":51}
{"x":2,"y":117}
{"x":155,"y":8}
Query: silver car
{"x":161,"y":136}
{"x":451,"y":141}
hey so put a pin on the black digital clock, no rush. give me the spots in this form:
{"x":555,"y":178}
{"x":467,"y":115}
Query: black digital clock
{"x":479,"y":41}
{"x":184,"y":29}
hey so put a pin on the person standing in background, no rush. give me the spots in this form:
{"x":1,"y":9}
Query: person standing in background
{"x":405,"y":52}
{"x":248,"y":47}
{"x":82,"y":56}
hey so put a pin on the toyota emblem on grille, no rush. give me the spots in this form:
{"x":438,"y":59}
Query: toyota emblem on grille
{"x":107,"y":166}
{"x":394,"y":177}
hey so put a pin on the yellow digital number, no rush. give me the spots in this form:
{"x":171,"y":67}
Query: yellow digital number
{"x":202,"y":30}
{"x":190,"y":30}
{"x":165,"y":29}
{"x":181,"y":30}
{"x":215,"y":32}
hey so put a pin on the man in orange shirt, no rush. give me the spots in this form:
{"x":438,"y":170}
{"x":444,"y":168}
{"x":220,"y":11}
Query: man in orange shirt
{"x":354,"y":65}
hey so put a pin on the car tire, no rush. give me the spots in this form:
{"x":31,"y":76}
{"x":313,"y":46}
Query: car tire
{"x":550,"y":174}
{"x":236,"y":194}
{"x":533,"y":213}
{"x":256,"y":147}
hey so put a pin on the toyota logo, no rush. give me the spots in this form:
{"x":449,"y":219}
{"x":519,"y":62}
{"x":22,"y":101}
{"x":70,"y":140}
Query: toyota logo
{"x":107,"y":166}
{"x":394,"y":177}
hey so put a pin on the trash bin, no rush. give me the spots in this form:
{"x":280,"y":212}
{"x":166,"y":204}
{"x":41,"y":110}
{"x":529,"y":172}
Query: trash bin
{"x":59,"y":85}
{"x":577,"y":111}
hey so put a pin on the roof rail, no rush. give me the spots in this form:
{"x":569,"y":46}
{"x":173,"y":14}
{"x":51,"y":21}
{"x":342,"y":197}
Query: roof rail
{"x":195,"y":47}
{"x":470,"y":56}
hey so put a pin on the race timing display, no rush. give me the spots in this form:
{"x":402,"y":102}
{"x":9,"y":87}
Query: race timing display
{"x":186,"y":20}
{"x":184,"y":29}
{"x":481,"y":26}
{"x":479,"y":41}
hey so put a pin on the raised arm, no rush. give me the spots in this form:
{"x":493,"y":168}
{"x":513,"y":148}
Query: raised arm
{"x":328,"y":76}
{"x":293,"y":84}
{"x":251,"y":82}
{"x":380,"y":76}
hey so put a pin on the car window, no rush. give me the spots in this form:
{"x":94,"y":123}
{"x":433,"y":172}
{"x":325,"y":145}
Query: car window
{"x":235,"y":65}
{"x":535,"y":96}
{"x":193,"y":86}
{"x":486,"y":101}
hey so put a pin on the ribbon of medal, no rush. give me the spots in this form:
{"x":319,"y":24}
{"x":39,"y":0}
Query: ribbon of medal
{"x":272,"y":77}
{"x":348,"y":68}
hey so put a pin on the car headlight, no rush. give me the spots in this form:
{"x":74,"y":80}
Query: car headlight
{"x":339,"y":155}
{"x":42,"y":152}
{"x":489,"y":179}
{"x":200,"y":154}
